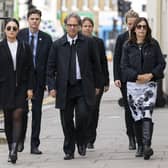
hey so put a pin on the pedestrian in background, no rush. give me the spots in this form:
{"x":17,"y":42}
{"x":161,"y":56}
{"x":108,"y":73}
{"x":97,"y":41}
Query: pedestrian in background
{"x":131,"y":16}
{"x":87,"y":29}
{"x":16,"y":83}
{"x":40,"y":43}
{"x":142,"y":64}
{"x":74,"y":78}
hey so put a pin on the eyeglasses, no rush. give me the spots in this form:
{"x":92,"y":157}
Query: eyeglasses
{"x":10,"y":28}
{"x":141,"y":26}
{"x":72,"y":25}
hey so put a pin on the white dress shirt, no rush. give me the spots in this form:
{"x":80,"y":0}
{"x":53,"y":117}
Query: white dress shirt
{"x":13,"y":50}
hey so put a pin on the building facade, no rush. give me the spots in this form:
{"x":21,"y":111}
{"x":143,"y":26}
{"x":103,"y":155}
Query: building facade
{"x":158,"y":19}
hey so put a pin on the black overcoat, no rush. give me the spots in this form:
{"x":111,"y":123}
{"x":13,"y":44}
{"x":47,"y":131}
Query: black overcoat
{"x":14,"y":85}
{"x":58,"y":67}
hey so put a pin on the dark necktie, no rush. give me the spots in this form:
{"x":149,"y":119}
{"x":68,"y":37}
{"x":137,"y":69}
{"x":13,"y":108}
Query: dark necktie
{"x":32,"y":48}
{"x":72,"y":70}
{"x":32,"y":43}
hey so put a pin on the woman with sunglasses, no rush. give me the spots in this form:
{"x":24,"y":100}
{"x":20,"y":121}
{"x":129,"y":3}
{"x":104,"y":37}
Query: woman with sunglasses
{"x":16,"y":83}
{"x":142,"y":64}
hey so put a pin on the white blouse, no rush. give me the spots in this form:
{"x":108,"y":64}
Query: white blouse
{"x":13,"y":49}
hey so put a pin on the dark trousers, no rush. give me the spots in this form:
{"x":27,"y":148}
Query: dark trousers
{"x":74,"y":130}
{"x":36,"y":118}
{"x":129,"y":122}
{"x":93,"y":118}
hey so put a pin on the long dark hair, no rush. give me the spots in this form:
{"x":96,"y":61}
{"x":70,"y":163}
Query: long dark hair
{"x":133,"y":34}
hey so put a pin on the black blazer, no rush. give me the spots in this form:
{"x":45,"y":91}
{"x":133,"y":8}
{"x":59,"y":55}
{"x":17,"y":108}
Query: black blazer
{"x":14,"y":85}
{"x":148,"y":59}
{"x":117,"y":55}
{"x":58,"y":67}
{"x":43,"y":47}
{"x":103,"y":60}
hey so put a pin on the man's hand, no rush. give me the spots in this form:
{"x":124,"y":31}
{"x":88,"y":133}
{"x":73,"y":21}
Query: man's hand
{"x":106,"y":88}
{"x":53,"y":93}
{"x":117,"y":83}
{"x":29,"y":94}
{"x":97,"y":91}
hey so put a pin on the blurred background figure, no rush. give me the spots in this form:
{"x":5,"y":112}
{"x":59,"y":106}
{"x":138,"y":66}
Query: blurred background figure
{"x":87,"y":29}
{"x":130,"y":18}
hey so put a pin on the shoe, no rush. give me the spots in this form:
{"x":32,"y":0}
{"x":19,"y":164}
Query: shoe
{"x":90,"y":145}
{"x":148,"y":152}
{"x":68,"y":156}
{"x":82,"y":150}
{"x":20,"y":147}
{"x":13,"y":153}
{"x":35,"y":151}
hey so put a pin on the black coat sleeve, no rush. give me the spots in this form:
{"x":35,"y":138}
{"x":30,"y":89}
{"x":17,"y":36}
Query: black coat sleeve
{"x":52,"y":67}
{"x":160,"y":65}
{"x":128,"y":73}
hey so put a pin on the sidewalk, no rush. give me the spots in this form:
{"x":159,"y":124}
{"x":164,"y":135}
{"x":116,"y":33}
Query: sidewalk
{"x":111,"y":148}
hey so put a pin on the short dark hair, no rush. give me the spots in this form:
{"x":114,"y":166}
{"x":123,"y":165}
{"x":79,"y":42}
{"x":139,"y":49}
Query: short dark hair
{"x":34,"y":11}
{"x":74,"y":15}
{"x":88,"y":19}
{"x":11,"y":20}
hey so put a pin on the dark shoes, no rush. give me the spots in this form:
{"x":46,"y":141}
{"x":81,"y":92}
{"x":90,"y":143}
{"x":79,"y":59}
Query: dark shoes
{"x":20,"y":147}
{"x":13,"y":153}
{"x":35,"y":151}
{"x":90,"y":145}
{"x":148,"y":152}
{"x":82,"y":150}
{"x":69,"y":156}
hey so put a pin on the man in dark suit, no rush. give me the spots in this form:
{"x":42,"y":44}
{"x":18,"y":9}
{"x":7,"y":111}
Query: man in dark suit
{"x":131,"y":16}
{"x":40,"y":43}
{"x":87,"y":29}
{"x":74,"y":76}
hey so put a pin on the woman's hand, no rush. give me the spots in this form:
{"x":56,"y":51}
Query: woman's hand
{"x":29,"y":94}
{"x":144,"y":78}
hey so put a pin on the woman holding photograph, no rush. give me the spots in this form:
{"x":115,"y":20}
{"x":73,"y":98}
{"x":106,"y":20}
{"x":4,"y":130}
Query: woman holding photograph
{"x":142,"y":64}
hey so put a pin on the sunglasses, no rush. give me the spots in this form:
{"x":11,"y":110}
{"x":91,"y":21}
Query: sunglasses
{"x":10,"y":28}
{"x":141,"y":26}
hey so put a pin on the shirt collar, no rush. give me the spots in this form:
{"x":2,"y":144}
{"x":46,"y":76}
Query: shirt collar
{"x":69,"y":39}
{"x":34,"y":34}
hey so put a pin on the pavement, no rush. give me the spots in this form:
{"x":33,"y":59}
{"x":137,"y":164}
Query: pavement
{"x":111,"y":147}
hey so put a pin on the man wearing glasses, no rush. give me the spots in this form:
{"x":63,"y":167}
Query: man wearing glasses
{"x":74,"y":73}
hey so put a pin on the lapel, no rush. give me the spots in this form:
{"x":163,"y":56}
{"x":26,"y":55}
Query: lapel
{"x":18,"y":55}
{"x":39,"y":43}
{"x":26,"y":36}
{"x":8,"y":53}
